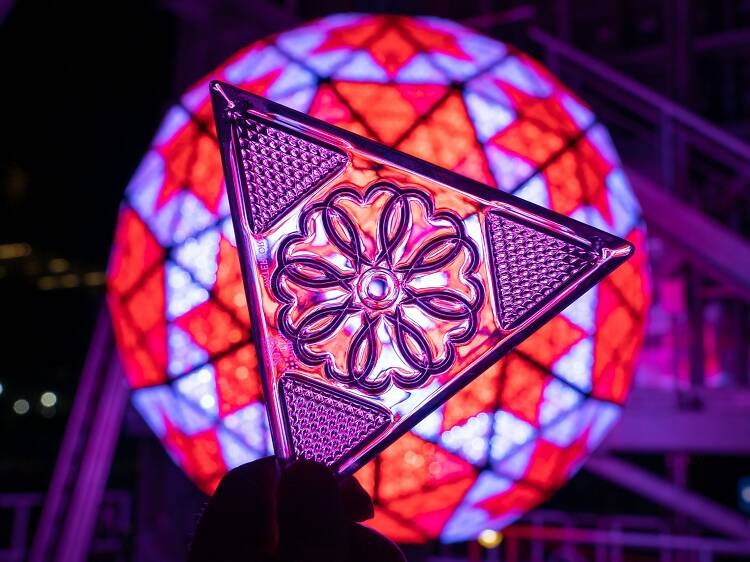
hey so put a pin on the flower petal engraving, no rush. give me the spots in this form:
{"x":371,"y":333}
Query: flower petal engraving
{"x":313,"y":274}
{"x":444,"y":305}
{"x":435,"y":255}
{"x":362,"y":357}
{"x":343,"y":233}
{"x":392,"y":226}
{"x":378,"y":290}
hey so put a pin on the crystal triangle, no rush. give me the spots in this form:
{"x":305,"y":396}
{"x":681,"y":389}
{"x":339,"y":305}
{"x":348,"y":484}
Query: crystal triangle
{"x":380,"y":285}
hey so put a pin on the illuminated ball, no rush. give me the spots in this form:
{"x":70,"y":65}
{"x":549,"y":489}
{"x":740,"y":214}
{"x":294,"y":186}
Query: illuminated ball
{"x":444,"y":93}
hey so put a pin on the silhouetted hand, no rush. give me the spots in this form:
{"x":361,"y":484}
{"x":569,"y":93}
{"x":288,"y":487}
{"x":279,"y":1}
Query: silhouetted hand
{"x":300,"y":514}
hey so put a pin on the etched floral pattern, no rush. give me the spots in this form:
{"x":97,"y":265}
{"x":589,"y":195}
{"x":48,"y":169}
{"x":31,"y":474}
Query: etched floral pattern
{"x":379,"y":288}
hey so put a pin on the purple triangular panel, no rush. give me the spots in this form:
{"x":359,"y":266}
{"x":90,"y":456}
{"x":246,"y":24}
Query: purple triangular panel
{"x":326,"y":424}
{"x":280,"y":168}
{"x":530,"y":266}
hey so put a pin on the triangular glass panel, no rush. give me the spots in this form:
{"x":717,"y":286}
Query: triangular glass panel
{"x":531,"y":266}
{"x":324,"y":424}
{"x":380,"y":285}
{"x":279,"y":168}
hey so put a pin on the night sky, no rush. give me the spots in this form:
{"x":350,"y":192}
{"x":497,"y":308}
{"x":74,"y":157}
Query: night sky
{"x":85,"y":86}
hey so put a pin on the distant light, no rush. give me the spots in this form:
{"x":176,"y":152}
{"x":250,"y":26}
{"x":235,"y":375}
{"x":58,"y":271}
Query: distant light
{"x":13,"y":251}
{"x":743,"y":493}
{"x":58,"y":265}
{"x":21,"y":407}
{"x":1,"y":388}
{"x":48,"y":399}
{"x":47,"y":282}
{"x":489,"y":538}
{"x":94,"y":278}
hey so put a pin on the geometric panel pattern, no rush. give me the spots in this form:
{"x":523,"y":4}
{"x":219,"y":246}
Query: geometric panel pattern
{"x":326,"y":424}
{"x":530,"y":267}
{"x":444,"y":93}
{"x":280,"y":169}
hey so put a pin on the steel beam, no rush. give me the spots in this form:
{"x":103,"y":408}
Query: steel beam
{"x":654,"y":422}
{"x":603,"y":73}
{"x":719,"y":253}
{"x":80,"y":521}
{"x":71,"y":506}
{"x":660,"y":491}
{"x":68,"y":456}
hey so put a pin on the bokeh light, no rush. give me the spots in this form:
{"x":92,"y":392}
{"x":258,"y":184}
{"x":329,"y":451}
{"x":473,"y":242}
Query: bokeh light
{"x":48,"y":399}
{"x":490,"y":539}
{"x":444,"y":93}
{"x":21,"y":406}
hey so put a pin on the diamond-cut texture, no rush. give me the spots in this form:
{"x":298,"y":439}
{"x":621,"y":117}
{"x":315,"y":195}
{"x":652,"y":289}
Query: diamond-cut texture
{"x":530,"y":266}
{"x":325,"y":424}
{"x":280,"y":169}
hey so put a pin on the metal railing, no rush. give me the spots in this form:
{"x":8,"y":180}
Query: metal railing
{"x":690,"y":157}
{"x":112,"y":530}
{"x":543,"y":534}
{"x":535,"y":543}
{"x":546,"y":535}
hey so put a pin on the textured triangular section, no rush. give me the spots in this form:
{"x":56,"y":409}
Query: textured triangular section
{"x":280,"y":168}
{"x":326,"y":424}
{"x":530,"y":266}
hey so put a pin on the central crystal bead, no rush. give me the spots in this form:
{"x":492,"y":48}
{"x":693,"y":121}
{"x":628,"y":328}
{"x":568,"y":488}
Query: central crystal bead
{"x":378,"y":288}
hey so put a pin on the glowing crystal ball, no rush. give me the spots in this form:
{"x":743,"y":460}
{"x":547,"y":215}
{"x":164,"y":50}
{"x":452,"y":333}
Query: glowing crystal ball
{"x":444,"y":93}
